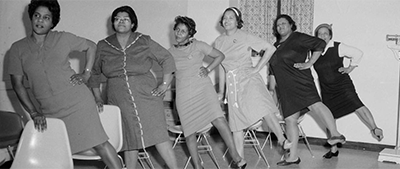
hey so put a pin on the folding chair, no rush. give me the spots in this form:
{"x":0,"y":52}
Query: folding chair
{"x":111,"y":120}
{"x":250,"y":139}
{"x":11,"y":127}
{"x":302,"y":134}
{"x":144,"y":158}
{"x":202,"y":141}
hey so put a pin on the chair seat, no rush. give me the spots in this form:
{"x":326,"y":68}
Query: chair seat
{"x":87,"y":155}
{"x":177,"y":129}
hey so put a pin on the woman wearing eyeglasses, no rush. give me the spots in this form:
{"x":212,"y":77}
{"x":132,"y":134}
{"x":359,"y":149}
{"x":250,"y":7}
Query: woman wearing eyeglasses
{"x":125,"y":59}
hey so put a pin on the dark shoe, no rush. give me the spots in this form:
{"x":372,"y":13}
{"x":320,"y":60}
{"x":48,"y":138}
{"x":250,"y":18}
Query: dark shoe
{"x":285,"y":163}
{"x":240,"y":164}
{"x":377,"y":133}
{"x":337,"y":139}
{"x":327,"y":145}
{"x":329,"y":154}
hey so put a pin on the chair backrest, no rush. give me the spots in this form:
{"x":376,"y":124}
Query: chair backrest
{"x":48,"y":149}
{"x":111,"y":120}
{"x":112,"y":123}
{"x":11,"y":126}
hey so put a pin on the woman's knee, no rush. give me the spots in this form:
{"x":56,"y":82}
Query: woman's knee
{"x":292,"y":119}
{"x":102,"y":146}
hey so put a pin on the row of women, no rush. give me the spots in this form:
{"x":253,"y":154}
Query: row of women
{"x":125,"y":58}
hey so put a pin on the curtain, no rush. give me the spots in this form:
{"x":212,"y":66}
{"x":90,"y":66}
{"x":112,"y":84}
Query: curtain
{"x":302,"y":12}
{"x":259,"y":15}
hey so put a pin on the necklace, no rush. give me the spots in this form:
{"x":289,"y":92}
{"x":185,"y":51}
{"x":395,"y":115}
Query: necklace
{"x":185,"y":44}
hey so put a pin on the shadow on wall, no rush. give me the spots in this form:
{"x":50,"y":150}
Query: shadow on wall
{"x":10,"y":94}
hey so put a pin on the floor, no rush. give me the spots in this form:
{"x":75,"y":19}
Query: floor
{"x":348,"y":158}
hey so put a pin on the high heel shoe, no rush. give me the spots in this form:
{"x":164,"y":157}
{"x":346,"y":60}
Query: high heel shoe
{"x":330,"y":154}
{"x":239,"y":164}
{"x":377,"y":135}
{"x":337,"y":139}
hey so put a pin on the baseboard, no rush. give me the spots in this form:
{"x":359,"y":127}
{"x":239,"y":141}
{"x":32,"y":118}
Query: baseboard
{"x":351,"y":145}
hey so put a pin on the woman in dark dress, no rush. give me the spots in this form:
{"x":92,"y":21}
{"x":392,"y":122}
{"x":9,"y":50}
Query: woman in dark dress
{"x":125,"y":59}
{"x":337,"y":88}
{"x":295,"y":84}
{"x":42,"y":58}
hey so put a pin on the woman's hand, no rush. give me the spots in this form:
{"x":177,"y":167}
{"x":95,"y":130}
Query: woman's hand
{"x":160,"y":90}
{"x":40,"y":121}
{"x":78,"y":79}
{"x":203,"y":72}
{"x":302,"y":66}
{"x":347,"y":70}
{"x":221,"y":97}
{"x":100,"y":103}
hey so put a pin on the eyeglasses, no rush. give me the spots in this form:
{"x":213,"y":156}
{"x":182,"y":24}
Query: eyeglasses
{"x":181,"y":31}
{"x":120,"y":19}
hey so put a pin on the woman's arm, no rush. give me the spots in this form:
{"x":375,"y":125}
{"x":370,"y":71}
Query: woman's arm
{"x":97,"y":97}
{"x":218,"y":57}
{"x":83,"y":77}
{"x":221,"y":83}
{"x":314,"y":57}
{"x":26,"y":102}
{"x":351,"y":53}
{"x":162,"y":88}
{"x":269,"y":51}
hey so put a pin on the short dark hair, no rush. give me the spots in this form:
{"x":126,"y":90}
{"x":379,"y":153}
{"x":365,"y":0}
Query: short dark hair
{"x":188,"y":22}
{"x":238,"y":15}
{"x":131,"y":13}
{"x":275,"y":29}
{"x":52,"y":5}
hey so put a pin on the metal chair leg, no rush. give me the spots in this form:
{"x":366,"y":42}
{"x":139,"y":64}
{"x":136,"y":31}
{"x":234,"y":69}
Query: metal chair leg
{"x":144,"y":157}
{"x":305,"y":139}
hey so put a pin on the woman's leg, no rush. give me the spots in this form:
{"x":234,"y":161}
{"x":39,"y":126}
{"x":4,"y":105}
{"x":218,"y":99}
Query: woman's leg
{"x":108,"y":154}
{"x":366,"y":117}
{"x":334,"y":148}
{"x":326,"y":115}
{"x":292,"y":132}
{"x":238,"y":139}
{"x":191,"y":143}
{"x":222,"y":126}
{"x":131,"y":158}
{"x":167,"y":153}
{"x":273,"y":123}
